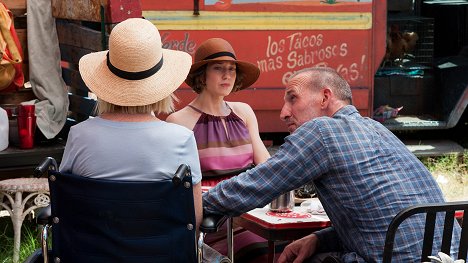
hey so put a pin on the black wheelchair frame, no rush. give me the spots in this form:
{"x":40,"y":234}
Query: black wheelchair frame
{"x":95,"y":220}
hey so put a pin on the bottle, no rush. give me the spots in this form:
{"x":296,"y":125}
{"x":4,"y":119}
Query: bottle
{"x":3,"y":129}
{"x":26,"y":126}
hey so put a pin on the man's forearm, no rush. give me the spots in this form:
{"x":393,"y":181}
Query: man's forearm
{"x":236,"y":196}
{"x":255,"y":188}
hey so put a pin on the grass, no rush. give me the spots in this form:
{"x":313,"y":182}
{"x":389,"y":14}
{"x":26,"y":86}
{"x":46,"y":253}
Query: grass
{"x":451,"y":172}
{"x":29,"y":240}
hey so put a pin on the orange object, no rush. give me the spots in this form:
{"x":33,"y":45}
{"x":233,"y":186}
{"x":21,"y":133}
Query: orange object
{"x":11,"y":72}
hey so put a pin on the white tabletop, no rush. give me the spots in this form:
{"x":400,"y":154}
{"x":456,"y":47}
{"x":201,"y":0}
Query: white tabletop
{"x":298,"y":215}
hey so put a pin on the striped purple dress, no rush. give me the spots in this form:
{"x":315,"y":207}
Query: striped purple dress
{"x":224,"y":151}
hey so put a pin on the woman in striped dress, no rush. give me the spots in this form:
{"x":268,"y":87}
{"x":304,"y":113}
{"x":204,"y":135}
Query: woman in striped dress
{"x":226,"y":133}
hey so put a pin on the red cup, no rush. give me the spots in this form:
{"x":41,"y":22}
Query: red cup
{"x":26,"y":110}
{"x":26,"y":126}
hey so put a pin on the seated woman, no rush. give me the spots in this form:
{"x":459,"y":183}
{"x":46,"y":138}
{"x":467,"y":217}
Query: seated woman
{"x":227,"y":134}
{"x":133,"y":80}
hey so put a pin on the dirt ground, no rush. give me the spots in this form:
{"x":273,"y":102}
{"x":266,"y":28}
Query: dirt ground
{"x":454,"y":186}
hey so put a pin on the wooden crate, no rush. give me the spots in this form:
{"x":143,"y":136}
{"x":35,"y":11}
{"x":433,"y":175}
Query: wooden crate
{"x":90,"y":10}
{"x":76,"y":40}
{"x":15,"y":4}
{"x":17,"y":97}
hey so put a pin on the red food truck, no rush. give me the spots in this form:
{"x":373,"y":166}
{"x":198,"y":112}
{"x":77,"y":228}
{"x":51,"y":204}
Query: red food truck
{"x":281,"y":37}
{"x":355,"y":37}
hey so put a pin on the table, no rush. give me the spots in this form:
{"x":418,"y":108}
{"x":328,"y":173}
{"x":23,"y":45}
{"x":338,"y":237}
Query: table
{"x":275,"y":228}
{"x":16,"y":162}
{"x":18,"y":206}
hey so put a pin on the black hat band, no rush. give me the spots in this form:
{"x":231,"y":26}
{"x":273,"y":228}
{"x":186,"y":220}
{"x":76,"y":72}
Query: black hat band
{"x":134,"y":75}
{"x":220,"y":54}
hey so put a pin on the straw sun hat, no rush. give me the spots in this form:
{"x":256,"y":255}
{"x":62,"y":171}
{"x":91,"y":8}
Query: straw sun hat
{"x":136,"y":70}
{"x":218,"y":49}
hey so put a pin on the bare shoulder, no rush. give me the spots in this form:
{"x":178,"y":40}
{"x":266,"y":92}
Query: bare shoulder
{"x":185,"y":117}
{"x":243,"y":110}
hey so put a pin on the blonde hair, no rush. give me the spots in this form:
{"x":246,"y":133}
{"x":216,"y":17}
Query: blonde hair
{"x":164,"y":106}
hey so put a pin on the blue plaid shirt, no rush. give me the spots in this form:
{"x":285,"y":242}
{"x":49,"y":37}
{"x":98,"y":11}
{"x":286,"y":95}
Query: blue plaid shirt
{"x":363,"y":174}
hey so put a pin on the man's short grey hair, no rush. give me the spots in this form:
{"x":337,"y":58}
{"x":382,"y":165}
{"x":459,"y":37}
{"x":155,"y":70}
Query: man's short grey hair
{"x":320,"y":77}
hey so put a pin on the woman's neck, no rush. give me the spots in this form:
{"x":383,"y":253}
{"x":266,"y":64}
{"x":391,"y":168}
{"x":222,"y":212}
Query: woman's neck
{"x":212,"y":105}
{"x":126,"y":117}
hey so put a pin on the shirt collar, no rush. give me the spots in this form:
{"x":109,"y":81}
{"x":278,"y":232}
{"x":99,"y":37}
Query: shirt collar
{"x":345,"y":111}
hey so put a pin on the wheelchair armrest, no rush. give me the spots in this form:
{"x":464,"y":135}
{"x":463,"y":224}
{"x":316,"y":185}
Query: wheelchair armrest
{"x":212,"y":222}
{"x":44,"y":216}
{"x":47,"y":164}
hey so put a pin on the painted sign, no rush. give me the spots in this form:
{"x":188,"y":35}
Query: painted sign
{"x":279,"y":54}
{"x":280,"y":37}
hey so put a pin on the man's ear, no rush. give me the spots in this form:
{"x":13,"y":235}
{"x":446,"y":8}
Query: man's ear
{"x":326,"y":96}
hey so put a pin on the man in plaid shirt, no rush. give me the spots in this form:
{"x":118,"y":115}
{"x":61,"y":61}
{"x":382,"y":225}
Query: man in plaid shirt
{"x":364,"y":175}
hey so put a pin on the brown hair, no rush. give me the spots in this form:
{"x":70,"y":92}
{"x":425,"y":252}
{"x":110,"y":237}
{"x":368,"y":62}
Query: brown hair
{"x":199,"y":79}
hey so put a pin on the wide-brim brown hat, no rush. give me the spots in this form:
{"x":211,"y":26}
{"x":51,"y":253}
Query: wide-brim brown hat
{"x":218,"y":49}
{"x":136,"y":70}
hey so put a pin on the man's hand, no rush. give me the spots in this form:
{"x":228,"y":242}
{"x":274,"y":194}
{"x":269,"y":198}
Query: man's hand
{"x":299,"y":250}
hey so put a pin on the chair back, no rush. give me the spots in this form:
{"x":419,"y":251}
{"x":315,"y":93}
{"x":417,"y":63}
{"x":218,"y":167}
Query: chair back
{"x":97,"y":220}
{"x":431,"y":210}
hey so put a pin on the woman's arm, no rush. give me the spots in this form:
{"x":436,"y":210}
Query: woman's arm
{"x":197,"y":201}
{"x":261,"y":154}
{"x":190,"y":157}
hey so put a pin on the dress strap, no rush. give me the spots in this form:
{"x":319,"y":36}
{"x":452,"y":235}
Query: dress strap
{"x":195,"y":109}
{"x":227,"y":105}
{"x":200,"y":111}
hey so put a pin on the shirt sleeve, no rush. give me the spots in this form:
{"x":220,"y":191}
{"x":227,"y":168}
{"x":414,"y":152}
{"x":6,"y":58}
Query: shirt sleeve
{"x":301,"y":159}
{"x":328,"y":240}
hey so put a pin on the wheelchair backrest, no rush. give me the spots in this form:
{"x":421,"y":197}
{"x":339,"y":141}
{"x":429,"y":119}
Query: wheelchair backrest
{"x":96,"y":220}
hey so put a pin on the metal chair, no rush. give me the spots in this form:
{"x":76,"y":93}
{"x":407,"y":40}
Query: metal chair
{"x":96,"y":220}
{"x":431,"y":210}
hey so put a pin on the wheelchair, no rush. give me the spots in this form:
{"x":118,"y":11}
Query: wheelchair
{"x":98,"y":220}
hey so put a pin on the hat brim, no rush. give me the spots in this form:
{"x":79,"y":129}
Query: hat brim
{"x":250,"y":71}
{"x":113,"y":89}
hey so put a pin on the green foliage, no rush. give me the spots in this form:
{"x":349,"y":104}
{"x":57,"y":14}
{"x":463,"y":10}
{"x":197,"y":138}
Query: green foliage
{"x":451,"y":172}
{"x":449,"y":163}
{"x":29,"y":240}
